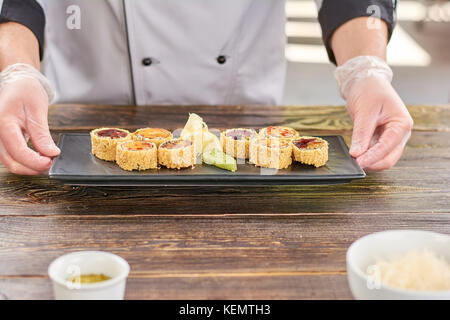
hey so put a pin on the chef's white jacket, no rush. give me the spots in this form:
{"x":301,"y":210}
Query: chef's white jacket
{"x":171,"y":51}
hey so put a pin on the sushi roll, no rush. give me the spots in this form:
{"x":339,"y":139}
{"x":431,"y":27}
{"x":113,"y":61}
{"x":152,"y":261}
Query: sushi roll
{"x":105,"y":140}
{"x":310,"y":150}
{"x":176,"y":154}
{"x":155,"y":135}
{"x":137,"y":155}
{"x":270,"y":153}
{"x":277,"y":132}
{"x":236,"y":142}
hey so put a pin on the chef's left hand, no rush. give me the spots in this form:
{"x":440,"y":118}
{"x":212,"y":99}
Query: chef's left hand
{"x":382,"y":124}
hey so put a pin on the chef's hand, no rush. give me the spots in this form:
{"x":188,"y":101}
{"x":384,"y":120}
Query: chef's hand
{"x":382,"y":124}
{"x":23,"y":115}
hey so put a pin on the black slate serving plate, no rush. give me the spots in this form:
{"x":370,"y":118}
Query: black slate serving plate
{"x":77,"y":166}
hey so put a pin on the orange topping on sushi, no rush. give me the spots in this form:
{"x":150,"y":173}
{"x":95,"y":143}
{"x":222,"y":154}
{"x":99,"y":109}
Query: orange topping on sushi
{"x":274,"y":143}
{"x":138,"y":145}
{"x":279,"y":131}
{"x":152,"y":133}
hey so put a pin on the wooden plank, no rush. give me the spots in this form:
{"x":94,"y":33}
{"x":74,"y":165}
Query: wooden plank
{"x":198,"y":245}
{"x":416,"y":184}
{"x":253,"y":287}
{"x":86,"y":117}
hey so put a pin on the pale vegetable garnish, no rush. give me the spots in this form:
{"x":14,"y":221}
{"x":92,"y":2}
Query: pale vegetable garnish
{"x":211,"y":142}
{"x":193,"y":130}
{"x":197,"y":131}
{"x":420,"y":270}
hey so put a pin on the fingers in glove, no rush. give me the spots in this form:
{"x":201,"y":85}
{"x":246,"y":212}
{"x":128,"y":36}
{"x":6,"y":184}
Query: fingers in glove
{"x":15,"y":145}
{"x":394,"y":135}
{"x":14,"y":166}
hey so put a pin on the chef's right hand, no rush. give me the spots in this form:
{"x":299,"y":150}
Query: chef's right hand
{"x":23,"y":116}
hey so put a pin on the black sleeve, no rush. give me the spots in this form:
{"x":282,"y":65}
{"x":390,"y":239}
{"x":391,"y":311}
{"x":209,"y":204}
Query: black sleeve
{"x":28,"y":13}
{"x":334,"y":13}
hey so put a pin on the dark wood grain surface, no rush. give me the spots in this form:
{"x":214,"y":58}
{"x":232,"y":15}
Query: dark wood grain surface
{"x":221,"y":242}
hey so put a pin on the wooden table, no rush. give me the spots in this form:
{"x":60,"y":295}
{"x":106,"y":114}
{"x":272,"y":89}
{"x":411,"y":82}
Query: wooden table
{"x":221,"y":242}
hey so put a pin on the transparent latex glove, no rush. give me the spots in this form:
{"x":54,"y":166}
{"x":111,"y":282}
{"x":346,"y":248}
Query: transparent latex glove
{"x":381,"y":123}
{"x":23,"y":115}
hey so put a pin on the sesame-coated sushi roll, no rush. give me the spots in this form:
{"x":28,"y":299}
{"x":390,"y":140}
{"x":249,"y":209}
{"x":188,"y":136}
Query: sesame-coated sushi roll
{"x":155,"y":135}
{"x":310,"y":150}
{"x":176,"y":154}
{"x":137,"y":155}
{"x":277,"y":132}
{"x":236,"y":142}
{"x":105,"y":140}
{"x":271,"y":153}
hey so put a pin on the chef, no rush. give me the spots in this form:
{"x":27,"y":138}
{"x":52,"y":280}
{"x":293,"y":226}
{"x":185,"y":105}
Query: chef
{"x":185,"y":52}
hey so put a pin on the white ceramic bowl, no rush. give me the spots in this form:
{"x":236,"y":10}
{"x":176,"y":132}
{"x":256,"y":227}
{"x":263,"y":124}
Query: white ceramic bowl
{"x":363,"y":253}
{"x":89,"y":262}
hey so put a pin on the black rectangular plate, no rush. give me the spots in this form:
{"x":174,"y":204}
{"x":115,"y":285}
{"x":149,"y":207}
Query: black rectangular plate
{"x":77,"y":166}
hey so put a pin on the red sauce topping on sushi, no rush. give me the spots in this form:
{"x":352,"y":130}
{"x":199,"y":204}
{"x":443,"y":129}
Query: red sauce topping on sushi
{"x":176,"y":144}
{"x":239,"y":134}
{"x":138,"y":145}
{"x":307,"y":142}
{"x":279,"y":131}
{"x":112,"y":133}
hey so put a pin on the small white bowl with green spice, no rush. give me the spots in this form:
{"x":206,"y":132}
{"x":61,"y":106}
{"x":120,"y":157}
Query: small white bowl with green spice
{"x":89,"y":275}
